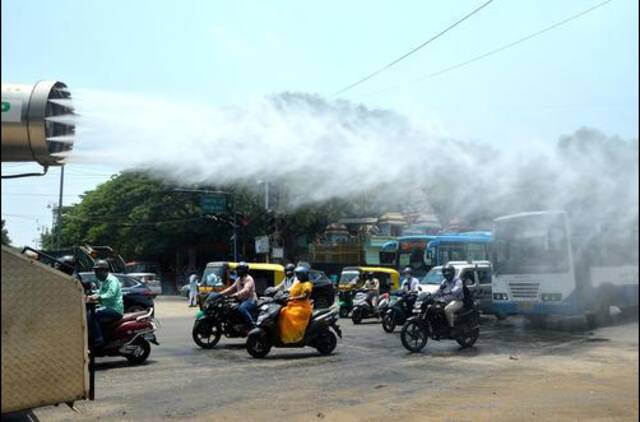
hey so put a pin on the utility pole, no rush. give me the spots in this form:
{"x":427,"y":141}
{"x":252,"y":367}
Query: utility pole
{"x":59,"y":223}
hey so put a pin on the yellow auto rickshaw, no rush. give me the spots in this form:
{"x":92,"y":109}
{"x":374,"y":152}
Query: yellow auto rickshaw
{"x":352,"y":278}
{"x":217,"y":277}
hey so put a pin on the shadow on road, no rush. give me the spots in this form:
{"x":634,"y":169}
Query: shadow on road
{"x":122,"y":363}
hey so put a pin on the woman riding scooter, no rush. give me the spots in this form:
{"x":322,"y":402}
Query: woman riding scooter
{"x":294,"y":317}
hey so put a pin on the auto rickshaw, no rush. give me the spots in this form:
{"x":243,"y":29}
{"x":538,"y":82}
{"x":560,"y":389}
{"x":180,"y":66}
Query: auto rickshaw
{"x":352,"y":279}
{"x":217,"y":276}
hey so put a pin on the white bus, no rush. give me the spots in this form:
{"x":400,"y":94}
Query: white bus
{"x":541,"y":268}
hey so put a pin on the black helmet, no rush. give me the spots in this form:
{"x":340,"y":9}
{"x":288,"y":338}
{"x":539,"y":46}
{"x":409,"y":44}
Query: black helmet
{"x":448,"y":271}
{"x":289,"y":268}
{"x":242,"y":269}
{"x":407,"y":271}
{"x":369,"y":274}
{"x":302,"y":273}
{"x":101,"y":264}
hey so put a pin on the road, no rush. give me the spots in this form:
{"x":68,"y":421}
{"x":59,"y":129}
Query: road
{"x":513,"y":373}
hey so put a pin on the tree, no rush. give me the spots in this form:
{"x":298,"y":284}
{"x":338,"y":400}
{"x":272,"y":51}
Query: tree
{"x":5,"y":235}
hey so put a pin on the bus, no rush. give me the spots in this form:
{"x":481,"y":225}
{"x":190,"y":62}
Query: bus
{"x":542,"y":267}
{"x":422,"y":252}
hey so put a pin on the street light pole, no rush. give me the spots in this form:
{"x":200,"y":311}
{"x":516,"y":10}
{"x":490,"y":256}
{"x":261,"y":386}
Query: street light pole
{"x":59,"y":223}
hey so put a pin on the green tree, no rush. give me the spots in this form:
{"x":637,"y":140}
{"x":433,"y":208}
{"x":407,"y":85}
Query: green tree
{"x":5,"y":235}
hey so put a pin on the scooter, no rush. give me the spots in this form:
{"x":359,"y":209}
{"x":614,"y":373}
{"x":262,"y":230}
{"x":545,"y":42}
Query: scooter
{"x":362,"y":308}
{"x":429,"y":321}
{"x":129,"y":337}
{"x":319,"y":333}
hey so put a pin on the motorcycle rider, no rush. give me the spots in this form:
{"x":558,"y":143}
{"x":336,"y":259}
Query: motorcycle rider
{"x":243,"y":289}
{"x":293,"y":318}
{"x":451,"y":291}
{"x":409,"y":283}
{"x":109,"y":296}
{"x":289,"y":278}
{"x":372,"y":286}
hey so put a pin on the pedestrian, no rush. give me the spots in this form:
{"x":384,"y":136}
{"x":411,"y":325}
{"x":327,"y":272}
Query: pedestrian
{"x":193,"y":289}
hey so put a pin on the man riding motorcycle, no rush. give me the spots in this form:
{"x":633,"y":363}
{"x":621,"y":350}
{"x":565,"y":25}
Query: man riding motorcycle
{"x":109,"y":296}
{"x":409,"y":283}
{"x":372,"y":287}
{"x":244,"y":289}
{"x":289,"y":278}
{"x":451,"y":291}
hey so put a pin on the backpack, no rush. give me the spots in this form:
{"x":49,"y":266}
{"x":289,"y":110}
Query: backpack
{"x":467,"y":299}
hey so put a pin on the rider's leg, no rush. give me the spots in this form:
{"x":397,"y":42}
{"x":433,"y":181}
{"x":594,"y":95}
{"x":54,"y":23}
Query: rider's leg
{"x":450,"y":310}
{"x":247,"y":308}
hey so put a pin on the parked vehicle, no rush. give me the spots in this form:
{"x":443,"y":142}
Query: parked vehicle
{"x":129,"y":337}
{"x":320,"y":332}
{"x":219,"y":315}
{"x":135,"y":295}
{"x":400,"y":308}
{"x":429,"y":321}
{"x":151,"y":280}
{"x":476,"y":276}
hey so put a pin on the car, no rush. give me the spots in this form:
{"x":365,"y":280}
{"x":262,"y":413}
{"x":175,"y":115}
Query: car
{"x":151,"y":280}
{"x":135,"y":295}
{"x":475,"y":274}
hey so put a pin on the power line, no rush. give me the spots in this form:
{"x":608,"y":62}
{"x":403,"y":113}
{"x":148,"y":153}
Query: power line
{"x":404,"y":56}
{"x":499,"y":49}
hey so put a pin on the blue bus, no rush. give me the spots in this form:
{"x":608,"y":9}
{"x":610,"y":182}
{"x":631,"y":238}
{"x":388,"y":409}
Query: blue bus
{"x":422,"y":252}
{"x":542,"y":267}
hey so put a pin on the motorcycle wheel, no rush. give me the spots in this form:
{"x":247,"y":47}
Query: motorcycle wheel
{"x":389,"y":322}
{"x":141,"y":354}
{"x":258,"y":345}
{"x":326,"y":343}
{"x":206,"y":334}
{"x":468,"y":338}
{"x":356,"y":316}
{"x":344,"y":312}
{"x":413,"y":336}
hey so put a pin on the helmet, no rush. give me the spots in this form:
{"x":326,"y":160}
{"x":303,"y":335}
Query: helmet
{"x":101,"y":264}
{"x":407,"y":271}
{"x":302,"y":273}
{"x":369,"y":274}
{"x":448,"y":271}
{"x":289,"y":268}
{"x":242,"y":269}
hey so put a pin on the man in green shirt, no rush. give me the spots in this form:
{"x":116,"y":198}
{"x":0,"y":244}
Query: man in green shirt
{"x":109,"y":298}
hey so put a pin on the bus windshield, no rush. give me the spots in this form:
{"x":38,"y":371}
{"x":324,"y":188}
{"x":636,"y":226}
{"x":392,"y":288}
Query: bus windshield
{"x":411,"y":254}
{"x":535,"y":244}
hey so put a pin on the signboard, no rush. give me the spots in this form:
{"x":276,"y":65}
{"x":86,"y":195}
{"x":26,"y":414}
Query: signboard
{"x":277,"y":253}
{"x":11,"y":110}
{"x":262,"y":244}
{"x":213,"y":204}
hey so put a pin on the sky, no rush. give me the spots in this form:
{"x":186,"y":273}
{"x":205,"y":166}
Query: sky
{"x":584,"y":73}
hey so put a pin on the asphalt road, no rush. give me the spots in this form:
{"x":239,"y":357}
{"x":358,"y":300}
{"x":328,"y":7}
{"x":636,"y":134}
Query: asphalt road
{"x":513,"y":373}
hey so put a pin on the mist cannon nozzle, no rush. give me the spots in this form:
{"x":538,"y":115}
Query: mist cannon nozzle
{"x":38,"y":123}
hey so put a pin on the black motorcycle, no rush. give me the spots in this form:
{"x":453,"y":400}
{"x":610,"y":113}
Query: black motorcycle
{"x":399,"y":309}
{"x":219,"y":315}
{"x":318,"y":334}
{"x":363,"y":308}
{"x":430,"y":321}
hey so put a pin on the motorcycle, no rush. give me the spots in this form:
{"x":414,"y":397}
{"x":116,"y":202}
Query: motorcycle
{"x":129,"y":337}
{"x":318,"y":333}
{"x":400,"y":308}
{"x":429,"y":321}
{"x":219,"y":315}
{"x":362,"y":308}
